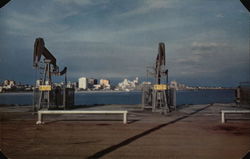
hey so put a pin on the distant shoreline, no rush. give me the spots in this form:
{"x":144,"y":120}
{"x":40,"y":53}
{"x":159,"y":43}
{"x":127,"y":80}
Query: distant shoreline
{"x":102,"y":91}
{"x":107,"y":91}
{"x":113,"y":91}
{"x":22,"y":92}
{"x":198,"y":89}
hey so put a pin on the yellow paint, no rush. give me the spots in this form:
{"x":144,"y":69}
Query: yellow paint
{"x":160,"y":87}
{"x":45,"y":88}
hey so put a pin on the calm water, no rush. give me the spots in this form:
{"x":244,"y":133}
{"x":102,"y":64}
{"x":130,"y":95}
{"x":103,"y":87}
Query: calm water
{"x":183,"y":97}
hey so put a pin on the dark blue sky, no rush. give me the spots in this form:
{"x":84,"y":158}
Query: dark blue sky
{"x":207,"y":41}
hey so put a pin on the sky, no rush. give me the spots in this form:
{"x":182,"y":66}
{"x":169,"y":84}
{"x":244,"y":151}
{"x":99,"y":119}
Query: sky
{"x":207,"y":41}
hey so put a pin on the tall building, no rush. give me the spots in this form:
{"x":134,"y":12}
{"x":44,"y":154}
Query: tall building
{"x":105,"y":83}
{"x":92,"y":81}
{"x":82,"y":83}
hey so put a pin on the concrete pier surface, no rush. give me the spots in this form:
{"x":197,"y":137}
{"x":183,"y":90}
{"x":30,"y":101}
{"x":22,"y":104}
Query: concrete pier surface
{"x":193,"y":131}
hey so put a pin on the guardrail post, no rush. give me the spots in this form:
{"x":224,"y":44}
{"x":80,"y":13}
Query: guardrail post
{"x":222,"y":117}
{"x":40,"y":118}
{"x":125,"y":118}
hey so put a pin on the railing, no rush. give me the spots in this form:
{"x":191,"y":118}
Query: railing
{"x":224,"y":112}
{"x":42,"y":112}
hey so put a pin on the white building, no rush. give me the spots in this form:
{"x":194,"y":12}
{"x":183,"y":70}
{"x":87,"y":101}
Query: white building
{"x":82,"y":83}
{"x":97,"y":86}
{"x":38,"y":83}
{"x":105,"y":83}
{"x":9,"y":84}
{"x":174,"y":84}
{"x":177,"y":86}
{"x":136,"y":81}
{"x":128,"y":85}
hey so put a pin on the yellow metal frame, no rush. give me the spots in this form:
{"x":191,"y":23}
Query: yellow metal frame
{"x":160,"y":87}
{"x":45,"y":88}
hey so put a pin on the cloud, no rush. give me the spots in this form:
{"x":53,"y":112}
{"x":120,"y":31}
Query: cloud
{"x":54,"y":25}
{"x":103,"y":59}
{"x":76,"y":2}
{"x":120,"y":38}
{"x":44,"y":23}
{"x":148,"y":6}
{"x":206,"y":45}
{"x":209,"y":59}
{"x":219,"y":15}
{"x":207,"y":48}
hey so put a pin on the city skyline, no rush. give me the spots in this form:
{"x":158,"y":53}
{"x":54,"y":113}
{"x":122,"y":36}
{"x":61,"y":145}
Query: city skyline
{"x":86,"y":82}
{"x":206,"y":41}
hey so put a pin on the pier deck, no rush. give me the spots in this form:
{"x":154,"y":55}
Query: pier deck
{"x":193,"y":131}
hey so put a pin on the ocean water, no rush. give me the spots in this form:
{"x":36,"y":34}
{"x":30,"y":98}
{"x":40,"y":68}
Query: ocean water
{"x":91,"y":98}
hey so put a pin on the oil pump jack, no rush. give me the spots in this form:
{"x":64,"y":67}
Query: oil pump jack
{"x":159,"y":97}
{"x":46,"y":95}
